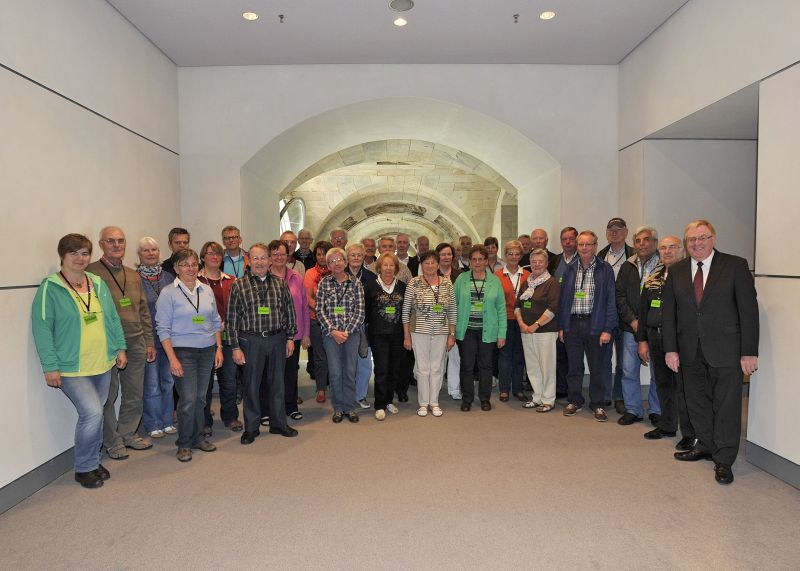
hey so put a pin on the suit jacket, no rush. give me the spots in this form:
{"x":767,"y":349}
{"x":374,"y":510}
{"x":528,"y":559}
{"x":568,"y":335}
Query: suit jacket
{"x":725,"y":324}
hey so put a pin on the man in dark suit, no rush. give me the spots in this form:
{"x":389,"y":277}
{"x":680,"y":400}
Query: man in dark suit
{"x":711,"y":338}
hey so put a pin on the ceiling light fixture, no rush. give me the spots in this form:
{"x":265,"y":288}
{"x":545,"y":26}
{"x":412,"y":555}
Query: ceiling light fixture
{"x":250,"y":16}
{"x":400,"y":22}
{"x":401,"y":5}
{"x":547,"y":15}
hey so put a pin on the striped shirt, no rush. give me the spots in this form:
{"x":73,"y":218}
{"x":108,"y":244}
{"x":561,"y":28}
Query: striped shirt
{"x":340,"y":306}
{"x":583,"y":300}
{"x":258,"y":306}
{"x":430,"y":310}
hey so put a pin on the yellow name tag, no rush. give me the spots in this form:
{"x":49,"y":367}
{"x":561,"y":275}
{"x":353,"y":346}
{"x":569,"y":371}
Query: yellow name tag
{"x":527,"y":304}
{"x":125,"y":302}
{"x":198,"y":319}
{"x":89,"y":318}
{"x":438,"y":307}
{"x":391,"y":310}
{"x":478,"y":306}
{"x":263,"y":310}
{"x":580,"y":295}
{"x":338,"y":310}
{"x":655,"y":303}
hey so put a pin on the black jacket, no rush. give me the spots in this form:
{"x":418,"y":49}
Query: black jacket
{"x":628,"y":295}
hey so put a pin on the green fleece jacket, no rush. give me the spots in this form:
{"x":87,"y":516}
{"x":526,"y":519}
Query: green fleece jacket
{"x":494,"y":307}
{"x":56,"y":324}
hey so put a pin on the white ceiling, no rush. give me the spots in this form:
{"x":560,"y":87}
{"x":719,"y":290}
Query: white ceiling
{"x":213,"y":32}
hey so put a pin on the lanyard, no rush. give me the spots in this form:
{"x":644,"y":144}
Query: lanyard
{"x":515,"y":285}
{"x":88,"y":306}
{"x":436,"y":291}
{"x":234,"y":264}
{"x":584,"y":271}
{"x":197,"y":290}
{"x":479,"y":293}
{"x":340,"y":298}
{"x":122,"y":287}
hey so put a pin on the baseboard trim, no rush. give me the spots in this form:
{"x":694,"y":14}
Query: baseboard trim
{"x":778,"y":466}
{"x":30,"y":483}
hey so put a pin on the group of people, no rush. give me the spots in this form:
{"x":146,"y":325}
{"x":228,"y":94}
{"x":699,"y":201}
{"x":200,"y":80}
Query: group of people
{"x":161,"y":333}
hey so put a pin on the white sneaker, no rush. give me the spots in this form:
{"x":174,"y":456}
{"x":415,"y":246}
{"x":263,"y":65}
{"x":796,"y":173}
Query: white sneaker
{"x":436,"y":411}
{"x":364,"y":403}
{"x":456,"y":397}
{"x":422,"y":411}
{"x":391,"y":407}
{"x":157,"y":433}
{"x":170,"y":430}
{"x":380,"y":414}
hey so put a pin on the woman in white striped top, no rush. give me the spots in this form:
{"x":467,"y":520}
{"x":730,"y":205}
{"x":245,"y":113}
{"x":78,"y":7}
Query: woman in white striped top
{"x":429,"y":322}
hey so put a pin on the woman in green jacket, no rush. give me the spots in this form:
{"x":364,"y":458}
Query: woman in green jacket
{"x":79,"y":339}
{"x":480,"y":325}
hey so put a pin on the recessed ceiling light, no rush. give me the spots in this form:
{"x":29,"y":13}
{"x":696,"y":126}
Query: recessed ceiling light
{"x":250,"y":16}
{"x":400,"y":22}
{"x":401,"y":5}
{"x":547,"y":15}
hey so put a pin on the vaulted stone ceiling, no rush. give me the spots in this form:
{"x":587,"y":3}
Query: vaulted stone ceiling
{"x":412,"y":186}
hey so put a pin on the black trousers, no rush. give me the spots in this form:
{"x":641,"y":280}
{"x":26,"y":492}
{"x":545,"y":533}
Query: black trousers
{"x":714,"y":400}
{"x":265,"y":360}
{"x":389,"y":360}
{"x":289,"y":386}
{"x":669,"y":387}
{"x":319,"y":356}
{"x":562,"y":367}
{"x":473,"y":350}
{"x":579,"y":341}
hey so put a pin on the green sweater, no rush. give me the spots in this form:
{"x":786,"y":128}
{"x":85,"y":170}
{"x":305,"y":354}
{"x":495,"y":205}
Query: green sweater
{"x":494,"y":307}
{"x":56,"y":324}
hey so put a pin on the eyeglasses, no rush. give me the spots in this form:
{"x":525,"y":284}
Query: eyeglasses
{"x":193,"y":266}
{"x":584,"y":244}
{"x":702,"y":239}
{"x":114,"y":241}
{"x":228,"y":238}
{"x":335,"y":260}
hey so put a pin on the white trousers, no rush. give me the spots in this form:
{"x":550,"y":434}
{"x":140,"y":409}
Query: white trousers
{"x":429,"y":351}
{"x":540,"y":362}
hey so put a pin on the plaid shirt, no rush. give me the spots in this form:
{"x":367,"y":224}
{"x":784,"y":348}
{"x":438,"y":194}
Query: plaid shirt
{"x":583,"y":300}
{"x":331,"y":294}
{"x":248,"y":294}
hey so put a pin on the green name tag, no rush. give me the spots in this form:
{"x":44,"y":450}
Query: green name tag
{"x":263,"y":310}
{"x":655,"y":303}
{"x":224,"y":335}
{"x":527,"y":304}
{"x":438,"y":307}
{"x":338,"y":310}
{"x":89,"y":317}
{"x":198,"y":319}
{"x":125,"y":302}
{"x":478,"y":306}
{"x":580,"y":295}
{"x":391,"y":310}
{"x":561,"y":279}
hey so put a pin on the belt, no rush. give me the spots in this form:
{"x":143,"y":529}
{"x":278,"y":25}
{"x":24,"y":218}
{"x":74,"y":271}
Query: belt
{"x":262,"y":333}
{"x":581,"y":315}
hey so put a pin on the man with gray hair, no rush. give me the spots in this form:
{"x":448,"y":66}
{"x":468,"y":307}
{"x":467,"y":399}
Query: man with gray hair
{"x":630,"y":281}
{"x":339,"y":238}
{"x":303,"y":253}
{"x":386,"y":244}
{"x":370,"y":247}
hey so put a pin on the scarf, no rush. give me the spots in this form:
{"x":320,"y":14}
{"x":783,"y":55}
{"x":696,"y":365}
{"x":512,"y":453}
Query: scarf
{"x":533,"y":283}
{"x":150,"y":272}
{"x":321,"y":273}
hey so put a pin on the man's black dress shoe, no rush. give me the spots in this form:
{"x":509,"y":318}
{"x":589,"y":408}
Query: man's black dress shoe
{"x":248,"y":437}
{"x":658,"y":434}
{"x":466,"y":406}
{"x":686,"y":443}
{"x":692,"y":455}
{"x":619,"y":406}
{"x":352,"y":416}
{"x":288,"y":431}
{"x":88,"y":479}
{"x":654,"y":418}
{"x":629,"y":418}
{"x":102,"y":473}
{"x":723,"y":474}
{"x":486,"y":405}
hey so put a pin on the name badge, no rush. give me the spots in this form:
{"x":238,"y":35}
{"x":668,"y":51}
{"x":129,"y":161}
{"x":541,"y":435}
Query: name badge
{"x":262,"y":310}
{"x":655,"y":303}
{"x":391,"y":310}
{"x":198,"y":319}
{"x":477,"y":306}
{"x":561,"y":279}
{"x":89,"y":317}
{"x":125,"y":302}
{"x":224,"y":336}
{"x":580,"y":294}
{"x":338,"y":310}
{"x":527,"y":304}
{"x":439,"y":308}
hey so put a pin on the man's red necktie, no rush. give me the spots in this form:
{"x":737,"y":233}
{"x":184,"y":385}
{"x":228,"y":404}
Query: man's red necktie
{"x":698,"y":283}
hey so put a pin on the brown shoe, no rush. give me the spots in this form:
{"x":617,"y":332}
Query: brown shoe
{"x":321,"y":396}
{"x":235,"y":425}
{"x":183,"y":455}
{"x":572,"y":409}
{"x":503,"y":397}
{"x":205,"y":446}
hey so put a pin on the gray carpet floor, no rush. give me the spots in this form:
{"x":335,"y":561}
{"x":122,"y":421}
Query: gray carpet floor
{"x":506,"y":489}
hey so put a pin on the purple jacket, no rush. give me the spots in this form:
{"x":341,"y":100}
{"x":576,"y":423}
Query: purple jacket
{"x":300,"y":299}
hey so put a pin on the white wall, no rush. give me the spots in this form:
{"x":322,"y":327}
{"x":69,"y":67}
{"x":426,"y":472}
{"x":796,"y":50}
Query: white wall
{"x":704,"y":52}
{"x":774,"y":390}
{"x":65,"y":169}
{"x":227,"y":114}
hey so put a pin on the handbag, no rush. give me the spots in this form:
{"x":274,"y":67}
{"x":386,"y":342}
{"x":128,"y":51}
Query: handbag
{"x":363,"y":344}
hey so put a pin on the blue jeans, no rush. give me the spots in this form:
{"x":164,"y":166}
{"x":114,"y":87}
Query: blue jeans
{"x":579,"y":340}
{"x":158,"y":402}
{"x":363,"y":373}
{"x":89,"y":395}
{"x":192,"y":386}
{"x":631,"y":385}
{"x":342,"y":365}
{"x":512,"y":360}
{"x":613,"y":384}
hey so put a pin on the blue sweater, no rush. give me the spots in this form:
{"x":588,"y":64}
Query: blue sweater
{"x":604,"y":308}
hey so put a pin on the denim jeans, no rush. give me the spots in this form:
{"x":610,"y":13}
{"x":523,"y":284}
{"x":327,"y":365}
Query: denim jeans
{"x":192,"y":386}
{"x":342,"y":365}
{"x":363,"y":373}
{"x":512,"y":360}
{"x":89,"y":395}
{"x":579,"y":341}
{"x":226,"y":380}
{"x":631,"y":385}
{"x":613,"y":383}
{"x":158,"y":383}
